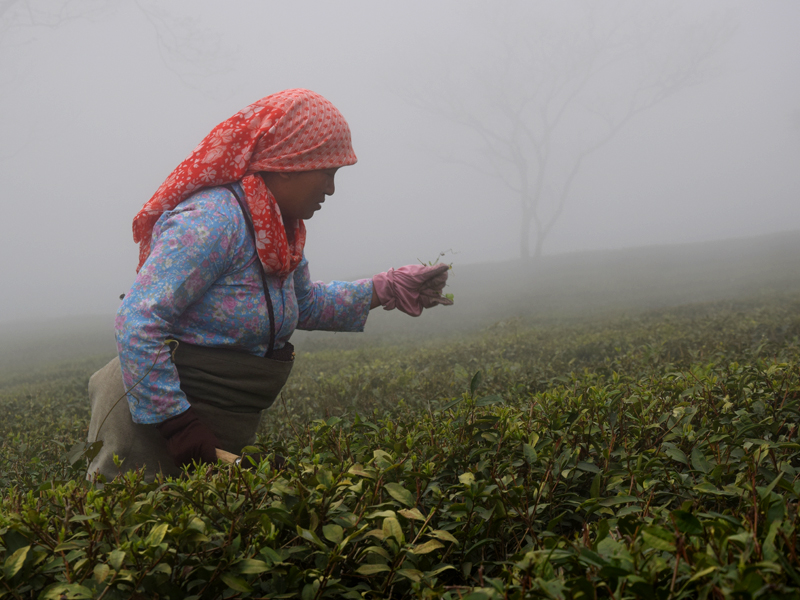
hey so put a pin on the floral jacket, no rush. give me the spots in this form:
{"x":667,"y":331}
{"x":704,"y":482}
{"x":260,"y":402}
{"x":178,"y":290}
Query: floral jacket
{"x":201,"y":285}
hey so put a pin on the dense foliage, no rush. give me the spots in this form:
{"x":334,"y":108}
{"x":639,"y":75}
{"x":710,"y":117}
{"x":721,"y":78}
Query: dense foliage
{"x":654,"y":456}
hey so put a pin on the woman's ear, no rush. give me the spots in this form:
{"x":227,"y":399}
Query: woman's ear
{"x":275,"y":177}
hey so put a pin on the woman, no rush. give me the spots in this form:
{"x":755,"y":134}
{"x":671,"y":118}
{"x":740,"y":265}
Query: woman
{"x":203,"y":334}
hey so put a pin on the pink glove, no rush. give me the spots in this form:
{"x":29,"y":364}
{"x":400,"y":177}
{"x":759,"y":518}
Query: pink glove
{"x":412,"y":288}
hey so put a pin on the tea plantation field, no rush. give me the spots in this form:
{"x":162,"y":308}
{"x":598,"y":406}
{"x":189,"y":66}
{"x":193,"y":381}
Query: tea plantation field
{"x":654,"y":455}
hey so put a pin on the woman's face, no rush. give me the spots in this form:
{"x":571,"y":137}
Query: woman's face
{"x":300,"y":194}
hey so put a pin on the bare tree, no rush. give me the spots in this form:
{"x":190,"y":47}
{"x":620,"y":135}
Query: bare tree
{"x":186,"y":48}
{"x":556,"y":89}
{"x":19,"y":17}
{"x":46,"y":14}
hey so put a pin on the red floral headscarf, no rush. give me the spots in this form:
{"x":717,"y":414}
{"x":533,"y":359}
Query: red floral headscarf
{"x":293,"y":130}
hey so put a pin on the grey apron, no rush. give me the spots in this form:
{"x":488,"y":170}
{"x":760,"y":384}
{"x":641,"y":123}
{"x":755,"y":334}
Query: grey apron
{"x":228,"y":389}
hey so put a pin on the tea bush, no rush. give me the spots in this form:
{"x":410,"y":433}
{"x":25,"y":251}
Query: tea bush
{"x":653,"y":456}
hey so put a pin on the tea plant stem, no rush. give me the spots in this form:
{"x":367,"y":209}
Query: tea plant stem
{"x":402,"y":554}
{"x":675,"y":570}
{"x":148,"y":570}
{"x":539,"y":495}
{"x":108,"y":586}
{"x":326,"y":576}
{"x":646,"y":510}
{"x":755,"y":513}
{"x":11,"y":590}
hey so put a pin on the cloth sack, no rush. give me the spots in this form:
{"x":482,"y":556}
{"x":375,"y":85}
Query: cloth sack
{"x":228,"y":389}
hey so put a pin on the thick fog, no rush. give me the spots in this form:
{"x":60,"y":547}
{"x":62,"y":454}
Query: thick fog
{"x":689,"y":118}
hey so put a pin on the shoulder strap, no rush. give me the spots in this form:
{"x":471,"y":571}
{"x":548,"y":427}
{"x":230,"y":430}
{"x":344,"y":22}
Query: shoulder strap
{"x":251,"y":229}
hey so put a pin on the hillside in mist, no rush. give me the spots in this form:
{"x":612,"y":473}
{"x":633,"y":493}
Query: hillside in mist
{"x":566,"y":286}
{"x":494,"y":129}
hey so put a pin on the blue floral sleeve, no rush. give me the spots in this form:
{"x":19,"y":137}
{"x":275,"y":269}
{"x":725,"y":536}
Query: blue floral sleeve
{"x":190,"y":251}
{"x":335,"y":306}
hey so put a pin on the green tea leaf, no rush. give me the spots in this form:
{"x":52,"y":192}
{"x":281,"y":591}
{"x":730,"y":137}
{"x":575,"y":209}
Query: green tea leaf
{"x":687,"y":523}
{"x":82,"y":518}
{"x":438,"y":570}
{"x":703,"y":573}
{"x":252,"y":566}
{"x":658,"y":538}
{"x":412,"y":574}
{"x":379,"y":551}
{"x":615,"y":500}
{"x":475,"y":383}
{"x":585,"y":466}
{"x":412,"y":513}
{"x":700,"y":462}
{"x":677,"y":454}
{"x":92,"y":450}
{"x":427,"y":547}
{"x":391,"y":528}
{"x":359,"y":470}
{"x":310,"y":590}
{"x":14,"y":562}
{"x":333,"y":533}
{"x":197,"y":525}
{"x":271,"y":555}
{"x":162,"y":568}
{"x":372,"y":569}
{"x":383,"y":460}
{"x":325,"y":478}
{"x":594,"y":491}
{"x":765,"y":492}
{"x":466,"y":478}
{"x":157,"y":534}
{"x":116,"y":558}
{"x":530,"y":454}
{"x":66,"y":591}
{"x":235,"y":583}
{"x":399,"y":493}
{"x":489,"y":400}
{"x":101,"y":572}
{"x":309,"y":535}
{"x":71,"y":545}
{"x":381,"y":514}
{"x":442,"y":535}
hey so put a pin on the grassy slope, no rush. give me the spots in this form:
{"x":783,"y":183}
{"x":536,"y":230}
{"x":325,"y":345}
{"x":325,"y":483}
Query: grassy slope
{"x":590,"y":285}
{"x":617,"y":458}
{"x":579,"y":285}
{"x":677,"y":421}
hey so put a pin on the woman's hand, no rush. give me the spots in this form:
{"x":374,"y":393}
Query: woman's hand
{"x":410,"y":288}
{"x":189,"y":439}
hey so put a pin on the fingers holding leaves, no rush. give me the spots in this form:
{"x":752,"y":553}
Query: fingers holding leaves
{"x":435,"y":278}
{"x":431,"y":298}
{"x":412,"y":288}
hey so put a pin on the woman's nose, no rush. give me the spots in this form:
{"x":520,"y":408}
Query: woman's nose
{"x":330,"y":188}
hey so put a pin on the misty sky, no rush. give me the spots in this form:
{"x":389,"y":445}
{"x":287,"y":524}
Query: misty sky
{"x":98,"y":108}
